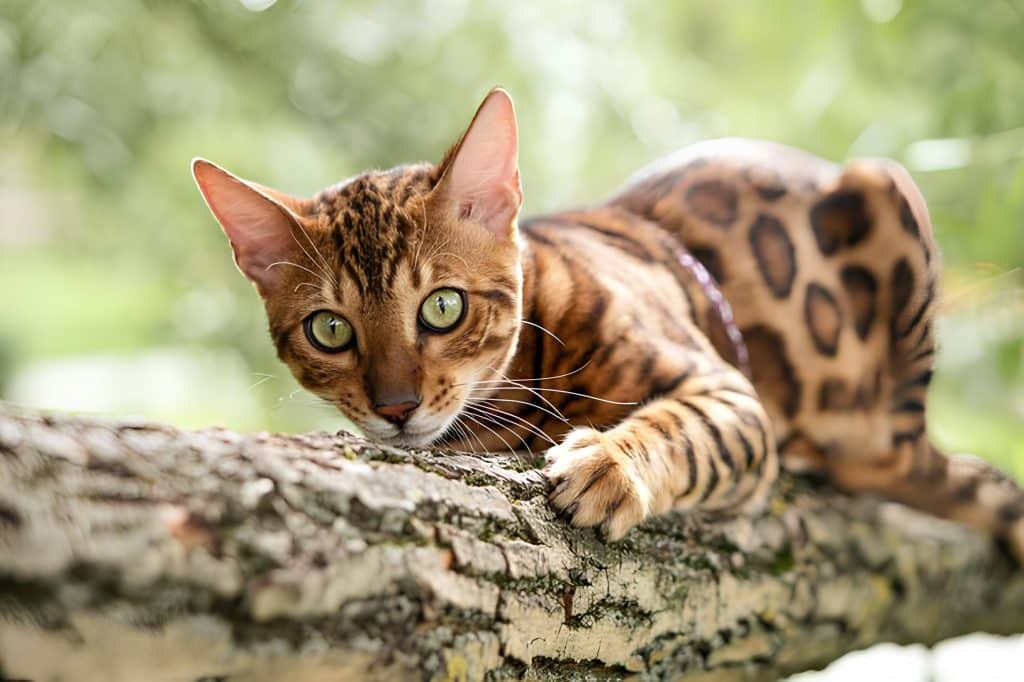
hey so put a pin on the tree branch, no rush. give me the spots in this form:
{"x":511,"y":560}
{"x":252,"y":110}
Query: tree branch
{"x":136,"y":551}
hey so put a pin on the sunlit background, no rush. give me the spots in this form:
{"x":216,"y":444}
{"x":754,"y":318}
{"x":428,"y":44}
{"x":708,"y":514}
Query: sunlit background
{"x":117,"y":290}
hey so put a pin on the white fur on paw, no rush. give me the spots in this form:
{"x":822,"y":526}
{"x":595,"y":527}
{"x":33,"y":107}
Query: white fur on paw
{"x":593,"y":484}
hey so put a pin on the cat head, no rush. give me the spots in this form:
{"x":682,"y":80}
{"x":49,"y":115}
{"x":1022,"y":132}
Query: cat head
{"x":390,"y":294}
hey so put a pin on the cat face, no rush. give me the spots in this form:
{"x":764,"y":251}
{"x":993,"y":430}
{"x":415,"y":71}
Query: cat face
{"x":390,"y":294}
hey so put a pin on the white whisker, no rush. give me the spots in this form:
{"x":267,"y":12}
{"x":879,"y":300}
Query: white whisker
{"x":531,"y":390}
{"x":453,"y":255}
{"x":530,"y":426}
{"x":560,"y":417}
{"x":525,"y":381}
{"x":460,"y":431}
{"x":493,"y":419}
{"x":263,"y":378}
{"x":465,"y":429}
{"x":471,"y":418}
{"x":323,"y":264}
{"x":295,"y":265}
{"x":572,"y":393}
{"x":545,"y":330}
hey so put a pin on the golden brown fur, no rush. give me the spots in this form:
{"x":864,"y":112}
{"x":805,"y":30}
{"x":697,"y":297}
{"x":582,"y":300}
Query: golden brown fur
{"x":590,"y":335}
{"x":381,"y":260}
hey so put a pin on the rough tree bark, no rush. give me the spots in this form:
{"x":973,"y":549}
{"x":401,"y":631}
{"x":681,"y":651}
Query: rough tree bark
{"x":135,"y":551}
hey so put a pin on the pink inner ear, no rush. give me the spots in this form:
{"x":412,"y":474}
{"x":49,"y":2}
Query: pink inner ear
{"x":258,"y":227}
{"x":483,"y":180}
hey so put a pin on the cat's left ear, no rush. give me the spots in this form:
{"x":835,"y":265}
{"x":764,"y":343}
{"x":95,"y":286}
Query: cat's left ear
{"x":480,"y":174}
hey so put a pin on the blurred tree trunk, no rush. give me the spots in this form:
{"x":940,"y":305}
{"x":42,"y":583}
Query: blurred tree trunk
{"x":133,"y":551}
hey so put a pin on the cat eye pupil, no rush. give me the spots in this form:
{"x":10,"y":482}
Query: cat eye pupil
{"x":328,"y":332}
{"x":442,"y":309}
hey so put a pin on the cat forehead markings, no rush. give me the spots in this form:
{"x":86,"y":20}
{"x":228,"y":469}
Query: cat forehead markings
{"x":373,"y":220}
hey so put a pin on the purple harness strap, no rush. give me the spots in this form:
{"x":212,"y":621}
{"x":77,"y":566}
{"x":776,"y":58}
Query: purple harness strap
{"x":714,"y":294}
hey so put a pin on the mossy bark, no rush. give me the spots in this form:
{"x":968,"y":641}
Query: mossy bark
{"x":133,"y":551}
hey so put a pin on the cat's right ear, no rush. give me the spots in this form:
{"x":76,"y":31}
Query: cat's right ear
{"x":259,"y":227}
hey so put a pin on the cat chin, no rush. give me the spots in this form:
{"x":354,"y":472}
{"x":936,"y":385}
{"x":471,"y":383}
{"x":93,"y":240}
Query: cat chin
{"x":416,"y":434}
{"x":406,"y":439}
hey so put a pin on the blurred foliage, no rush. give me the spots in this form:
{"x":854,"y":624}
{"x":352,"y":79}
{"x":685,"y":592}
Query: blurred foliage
{"x":106,"y":249}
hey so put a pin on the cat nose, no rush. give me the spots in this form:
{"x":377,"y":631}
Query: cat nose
{"x":397,"y":413}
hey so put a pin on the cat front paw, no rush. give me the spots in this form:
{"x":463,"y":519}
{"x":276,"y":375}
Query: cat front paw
{"x":594,"y":484}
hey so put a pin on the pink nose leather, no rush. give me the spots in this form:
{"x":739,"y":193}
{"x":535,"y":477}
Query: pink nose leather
{"x":397,"y":414}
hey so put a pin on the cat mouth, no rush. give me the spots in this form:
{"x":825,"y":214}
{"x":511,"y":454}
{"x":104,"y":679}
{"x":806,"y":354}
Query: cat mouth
{"x":422,"y":431}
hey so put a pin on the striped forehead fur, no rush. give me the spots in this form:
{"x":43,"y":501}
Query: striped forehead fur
{"x":373,"y":221}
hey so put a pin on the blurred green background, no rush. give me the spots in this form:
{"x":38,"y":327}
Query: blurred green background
{"x":117,"y":290}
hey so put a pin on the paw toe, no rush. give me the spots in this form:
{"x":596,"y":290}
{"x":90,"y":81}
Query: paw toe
{"x":591,"y":487}
{"x":619,"y":522}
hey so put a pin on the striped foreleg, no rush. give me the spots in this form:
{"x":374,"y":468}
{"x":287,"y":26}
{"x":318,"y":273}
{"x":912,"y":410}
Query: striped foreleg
{"x":704,"y":442}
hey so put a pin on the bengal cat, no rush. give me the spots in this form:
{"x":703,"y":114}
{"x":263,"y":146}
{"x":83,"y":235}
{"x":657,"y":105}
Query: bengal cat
{"x":733,"y":303}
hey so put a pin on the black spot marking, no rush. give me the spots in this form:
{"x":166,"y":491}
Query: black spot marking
{"x":907,"y":219}
{"x":603,"y":470}
{"x":833,"y":395}
{"x":921,"y":380}
{"x":623,"y":242}
{"x":902,"y":285}
{"x":966,"y":491}
{"x":663,"y":386}
{"x":913,"y":406}
{"x":656,"y":425}
{"x":643,"y":196}
{"x":1011,"y":511}
{"x":493,"y":342}
{"x":718,"y":335}
{"x":370,"y":236}
{"x":714,"y":201}
{"x":499,"y":297}
{"x":773,"y":374}
{"x":923,"y":307}
{"x":774,"y":252}
{"x":748,"y":449}
{"x":900,"y":437}
{"x":724,"y":454}
{"x":647,"y":366}
{"x":862,"y":293}
{"x":691,"y":459}
{"x":836,"y":394}
{"x":711,"y":261}
{"x":713,"y":479}
{"x":876,"y":384}
{"x":534,"y":234}
{"x":824,"y":320}
{"x":839,"y":221}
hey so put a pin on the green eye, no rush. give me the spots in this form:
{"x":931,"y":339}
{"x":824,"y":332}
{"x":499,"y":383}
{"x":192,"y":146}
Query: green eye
{"x":328,"y":332}
{"x":442,"y":310}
